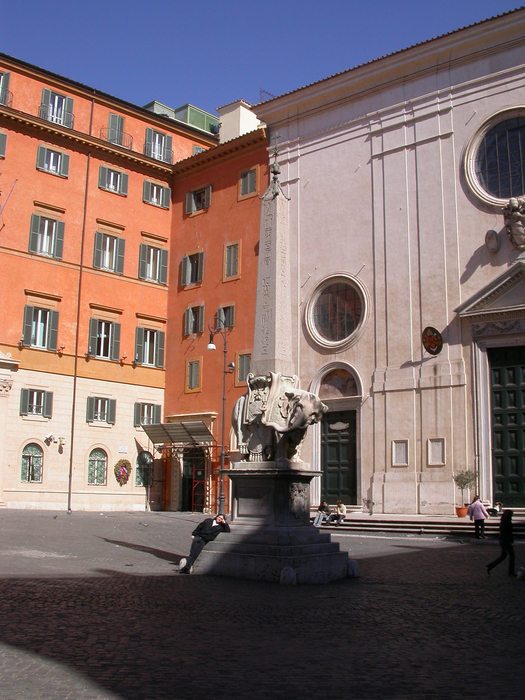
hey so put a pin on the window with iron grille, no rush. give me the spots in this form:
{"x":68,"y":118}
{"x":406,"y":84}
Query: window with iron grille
{"x":97,"y":468}
{"x":158,"y":145}
{"x":56,"y":108}
{"x":100,"y":410}
{"x":36,"y":402}
{"x":147,"y":414}
{"x":32,"y":463}
{"x":500,"y":159}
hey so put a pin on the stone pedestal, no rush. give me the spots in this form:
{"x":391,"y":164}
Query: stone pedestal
{"x":271,"y":529}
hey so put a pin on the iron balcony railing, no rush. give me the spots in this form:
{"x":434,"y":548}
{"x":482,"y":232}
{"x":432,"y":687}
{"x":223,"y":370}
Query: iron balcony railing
{"x":153,"y":150}
{"x":119,"y":138}
{"x":57,"y":116}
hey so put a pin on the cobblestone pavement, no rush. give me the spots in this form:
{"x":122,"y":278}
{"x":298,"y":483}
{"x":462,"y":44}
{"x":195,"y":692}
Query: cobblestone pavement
{"x":91,"y":608}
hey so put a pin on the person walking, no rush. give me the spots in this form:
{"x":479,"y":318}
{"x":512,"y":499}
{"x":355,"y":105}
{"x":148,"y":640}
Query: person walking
{"x":506,"y":539}
{"x":322,"y":512}
{"x":205,"y":532}
{"x":477,"y":512}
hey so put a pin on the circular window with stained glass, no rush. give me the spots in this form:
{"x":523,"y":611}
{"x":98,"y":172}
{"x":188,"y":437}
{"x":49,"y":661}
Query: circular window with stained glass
{"x":335,"y":312}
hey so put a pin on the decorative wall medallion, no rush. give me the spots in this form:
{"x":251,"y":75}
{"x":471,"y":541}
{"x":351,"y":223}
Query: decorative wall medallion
{"x":492,"y":241}
{"x":432,"y":340}
{"x":339,"y":426}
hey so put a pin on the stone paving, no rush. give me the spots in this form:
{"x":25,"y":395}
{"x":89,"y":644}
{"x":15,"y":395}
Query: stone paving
{"x":91,"y":608}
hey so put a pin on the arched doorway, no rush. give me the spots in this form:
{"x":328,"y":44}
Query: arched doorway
{"x":194,"y":480}
{"x":339,"y":390}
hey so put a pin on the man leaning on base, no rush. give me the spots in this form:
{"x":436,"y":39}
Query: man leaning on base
{"x":205,"y":532}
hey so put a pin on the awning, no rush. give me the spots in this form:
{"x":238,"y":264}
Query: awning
{"x":193,"y":432}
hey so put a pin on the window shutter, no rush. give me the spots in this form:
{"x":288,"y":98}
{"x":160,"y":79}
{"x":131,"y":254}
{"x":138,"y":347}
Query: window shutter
{"x":28,"y":326}
{"x":220,"y":318}
{"x":156,"y":414}
{"x":24,"y":402}
{"x":200,"y":320}
{"x":3,"y":142}
{"x":232,"y":316}
{"x":4,"y":88}
{"x":148,"y":145}
{"x":200,"y":267}
{"x":163,"y":267}
{"x":93,"y":336}
{"x":115,"y":344}
{"x":143,"y":261}
{"x":193,"y":375}
{"x":34,"y":233}
{"x":64,"y":164}
{"x":59,"y":240}
{"x":46,"y":100}
{"x":146,"y":192}
{"x":231,"y":260}
{"x":123,"y":184}
{"x":188,"y":321}
{"x":166,"y":197}
{"x":90,"y":409}
{"x":103,"y":177}
{"x":139,"y":345}
{"x":112,"y":410}
{"x":185,"y":271}
{"x":207,"y":196}
{"x":244,"y":367}
{"x":119,"y":265}
{"x":41,"y":157}
{"x":68,"y":109}
{"x":137,"y":413}
{"x":48,"y":404}
{"x":115,"y":129}
{"x":97,"y":254}
{"x":168,"y":155}
{"x":189,"y":202}
{"x":159,"y":359}
{"x":52,"y":340}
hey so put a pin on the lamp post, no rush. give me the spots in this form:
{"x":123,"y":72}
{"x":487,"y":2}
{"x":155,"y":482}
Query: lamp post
{"x":215,"y":327}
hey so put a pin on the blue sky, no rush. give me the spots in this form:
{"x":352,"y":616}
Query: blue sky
{"x":211,"y":52}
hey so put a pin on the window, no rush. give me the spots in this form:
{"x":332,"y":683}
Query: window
{"x":100,"y":410}
{"x":226,"y":317}
{"x":32,"y":461}
{"x":97,"y":467}
{"x":115,"y":132}
{"x":146,"y":414}
{"x":3,"y":144}
{"x":46,"y":236}
{"x":52,"y":162}
{"x":158,"y":195}
{"x":56,"y":108}
{"x":144,"y":470}
{"x":194,"y":320}
{"x":193,"y":375}
{"x":6,"y":97}
{"x":109,"y":253}
{"x":198,"y":199}
{"x":158,"y":146}
{"x":153,"y":264}
{"x":500,"y":159}
{"x":149,"y":347}
{"x":248,"y":183}
{"x":36,"y":402}
{"x":40,"y":328}
{"x":243,"y":366}
{"x":104,"y":339}
{"x":191,"y":269}
{"x":113,"y":180}
{"x":231,"y":260}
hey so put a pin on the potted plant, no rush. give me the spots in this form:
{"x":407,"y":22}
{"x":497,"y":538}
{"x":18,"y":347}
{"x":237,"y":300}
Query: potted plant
{"x":464,"y":480}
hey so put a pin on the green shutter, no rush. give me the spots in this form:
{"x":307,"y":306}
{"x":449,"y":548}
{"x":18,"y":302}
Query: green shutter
{"x":148,"y":145}
{"x":166,"y":197}
{"x":163,"y":267}
{"x":143,"y":260}
{"x":115,"y":344}
{"x":139,"y":345}
{"x":123,"y":184}
{"x":97,"y":253}
{"x":48,"y":404}
{"x":34,"y":233}
{"x":200,"y":267}
{"x":103,"y":177}
{"x":58,"y":248}
{"x":68,"y":112}
{"x":231,"y":260}
{"x":156,"y":414}
{"x":207,"y":196}
{"x":137,"y":413}
{"x":28,"y":326}
{"x":93,"y":336}
{"x":24,"y":402}
{"x":3,"y":142}
{"x":190,"y":203}
{"x":119,"y":264}
{"x":185,"y":271}
{"x":115,"y":129}
{"x":64,"y":164}
{"x":232,"y":316}
{"x":188,"y":321}
{"x":46,"y":100}
{"x":4,"y":88}
{"x":159,"y":359}
{"x":112,"y":411}
{"x":220,"y":318}
{"x":52,"y":339}
{"x":193,"y":378}
{"x":41,"y":157}
{"x":168,"y":155}
{"x":200,"y":322}
{"x":146,"y":192}
{"x":90,"y":409}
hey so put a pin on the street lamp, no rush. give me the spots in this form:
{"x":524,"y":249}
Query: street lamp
{"x":215,"y":327}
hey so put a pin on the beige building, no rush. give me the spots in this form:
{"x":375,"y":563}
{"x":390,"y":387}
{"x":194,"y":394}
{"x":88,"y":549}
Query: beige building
{"x":408,"y":289}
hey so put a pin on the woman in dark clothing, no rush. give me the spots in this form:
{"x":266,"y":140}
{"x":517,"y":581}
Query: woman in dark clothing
{"x":506,"y":539}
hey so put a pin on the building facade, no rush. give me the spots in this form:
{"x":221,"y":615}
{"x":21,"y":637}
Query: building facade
{"x":408,"y":279}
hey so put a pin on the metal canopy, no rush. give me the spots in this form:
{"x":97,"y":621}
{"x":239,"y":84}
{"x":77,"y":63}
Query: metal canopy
{"x":195,"y":432}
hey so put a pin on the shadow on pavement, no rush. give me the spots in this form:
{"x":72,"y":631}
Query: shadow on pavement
{"x":159,"y":553}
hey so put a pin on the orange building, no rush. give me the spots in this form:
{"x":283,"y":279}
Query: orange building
{"x":86,"y":259}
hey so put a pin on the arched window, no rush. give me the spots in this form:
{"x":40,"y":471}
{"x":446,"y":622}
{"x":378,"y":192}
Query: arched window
{"x":97,"y":467}
{"x":32,"y":461}
{"x":500,"y":159}
{"x":338,"y":384}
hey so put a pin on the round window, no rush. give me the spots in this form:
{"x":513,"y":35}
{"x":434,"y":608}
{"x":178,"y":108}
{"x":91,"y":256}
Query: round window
{"x":335,"y":312}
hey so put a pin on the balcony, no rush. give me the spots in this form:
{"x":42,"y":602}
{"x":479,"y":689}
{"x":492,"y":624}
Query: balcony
{"x":57,"y":116}
{"x":119,"y":138}
{"x":154,"y":150}
{"x":6,"y":97}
